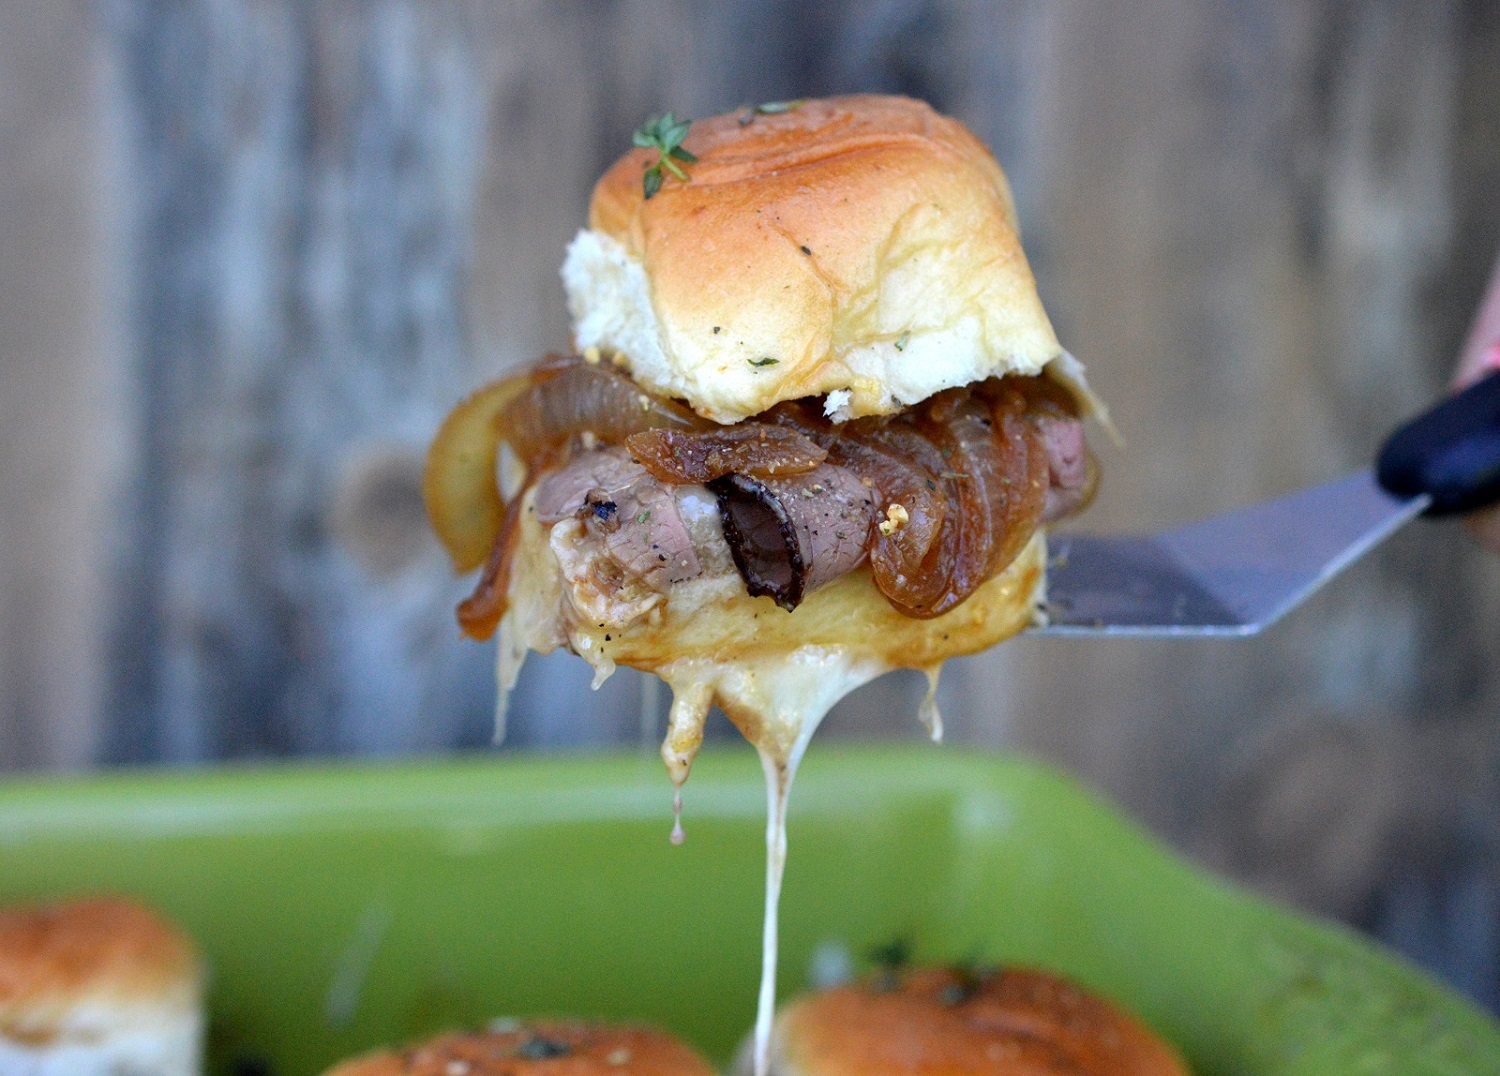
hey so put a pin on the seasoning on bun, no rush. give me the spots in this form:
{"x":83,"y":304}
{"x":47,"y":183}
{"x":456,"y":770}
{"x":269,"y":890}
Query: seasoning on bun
{"x":1008,"y":1022}
{"x":816,"y":422}
{"x":99,"y":986}
{"x":561,"y":1047}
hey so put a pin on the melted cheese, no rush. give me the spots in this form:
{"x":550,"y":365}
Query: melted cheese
{"x":776,"y":674}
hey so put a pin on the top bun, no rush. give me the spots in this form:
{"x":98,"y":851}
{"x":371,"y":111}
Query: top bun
{"x":866,"y":244}
{"x":940,"y":1020}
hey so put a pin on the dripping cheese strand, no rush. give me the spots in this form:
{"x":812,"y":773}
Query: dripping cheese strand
{"x":778,"y":786}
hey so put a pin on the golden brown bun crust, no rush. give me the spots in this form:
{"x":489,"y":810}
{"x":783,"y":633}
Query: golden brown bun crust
{"x":843,"y":138}
{"x":866,"y":243}
{"x":589,"y":1048}
{"x":109,"y":949}
{"x":936,"y":1022}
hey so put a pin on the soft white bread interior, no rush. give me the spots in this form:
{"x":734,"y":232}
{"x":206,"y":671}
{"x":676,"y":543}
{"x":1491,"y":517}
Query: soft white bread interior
{"x":861,"y":248}
{"x":99,"y":986}
{"x":513,"y":1048}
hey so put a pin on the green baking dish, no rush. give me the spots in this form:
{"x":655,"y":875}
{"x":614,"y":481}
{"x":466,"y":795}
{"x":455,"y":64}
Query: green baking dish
{"x":348,"y":906}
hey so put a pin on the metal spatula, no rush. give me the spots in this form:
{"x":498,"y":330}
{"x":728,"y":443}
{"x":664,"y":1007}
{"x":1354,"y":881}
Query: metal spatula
{"x":1240,"y":572}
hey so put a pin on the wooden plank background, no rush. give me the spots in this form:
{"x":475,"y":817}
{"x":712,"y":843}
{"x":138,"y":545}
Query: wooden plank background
{"x":253,"y":252}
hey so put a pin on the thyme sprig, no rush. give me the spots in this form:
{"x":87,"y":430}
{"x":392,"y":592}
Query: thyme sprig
{"x":663,"y":134}
{"x":891,"y":960}
{"x":894,"y":955}
{"x":538,"y":1048}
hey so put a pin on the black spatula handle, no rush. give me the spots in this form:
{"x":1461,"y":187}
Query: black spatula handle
{"x":1451,"y":453}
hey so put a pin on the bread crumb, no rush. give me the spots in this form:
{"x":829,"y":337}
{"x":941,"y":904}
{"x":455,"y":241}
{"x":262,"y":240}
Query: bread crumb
{"x":591,"y":356}
{"x":896,"y":517}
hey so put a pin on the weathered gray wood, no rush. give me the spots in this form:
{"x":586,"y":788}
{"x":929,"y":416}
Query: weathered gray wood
{"x":57,"y":382}
{"x":1261,"y":311}
{"x":1267,"y":267}
{"x":1263,"y":225}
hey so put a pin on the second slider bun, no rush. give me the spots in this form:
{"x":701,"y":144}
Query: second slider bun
{"x":942,"y":1021}
{"x":97,"y":987}
{"x":860,"y":248}
{"x":558,"y":1047}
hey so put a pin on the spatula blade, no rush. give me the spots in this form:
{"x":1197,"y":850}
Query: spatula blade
{"x":1230,"y":575}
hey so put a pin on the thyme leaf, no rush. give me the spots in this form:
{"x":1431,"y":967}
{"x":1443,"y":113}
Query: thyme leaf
{"x":663,"y":134}
{"x":891,"y":959}
{"x":894,"y":955}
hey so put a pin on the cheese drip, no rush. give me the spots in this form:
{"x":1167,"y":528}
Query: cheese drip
{"x":775,"y":674}
{"x":778,"y":703}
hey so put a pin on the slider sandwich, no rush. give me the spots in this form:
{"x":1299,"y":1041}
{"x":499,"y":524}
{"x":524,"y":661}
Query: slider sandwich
{"x":815,"y":425}
{"x":97,"y":987}
{"x":976,"y":1022}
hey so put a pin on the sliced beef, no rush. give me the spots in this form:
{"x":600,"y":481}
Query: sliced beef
{"x":634,"y":515}
{"x":791,"y":535}
{"x":1070,"y":471}
{"x":958,"y":484}
{"x":968,"y":474}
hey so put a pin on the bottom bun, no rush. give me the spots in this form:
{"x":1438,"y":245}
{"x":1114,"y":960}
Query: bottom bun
{"x":936,"y":1021}
{"x":775,"y":673}
{"x":511,"y":1048}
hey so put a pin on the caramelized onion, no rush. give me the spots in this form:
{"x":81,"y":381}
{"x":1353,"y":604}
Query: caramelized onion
{"x":996,"y":481}
{"x":479,"y":614}
{"x":962,"y":480}
{"x":881,"y":455}
{"x":572,"y":397}
{"x":912,"y":563}
{"x":463,"y":499}
{"x":535,"y":412}
{"x":751,"y":448}
{"x":1024,"y":482}
{"x":969,"y":476}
